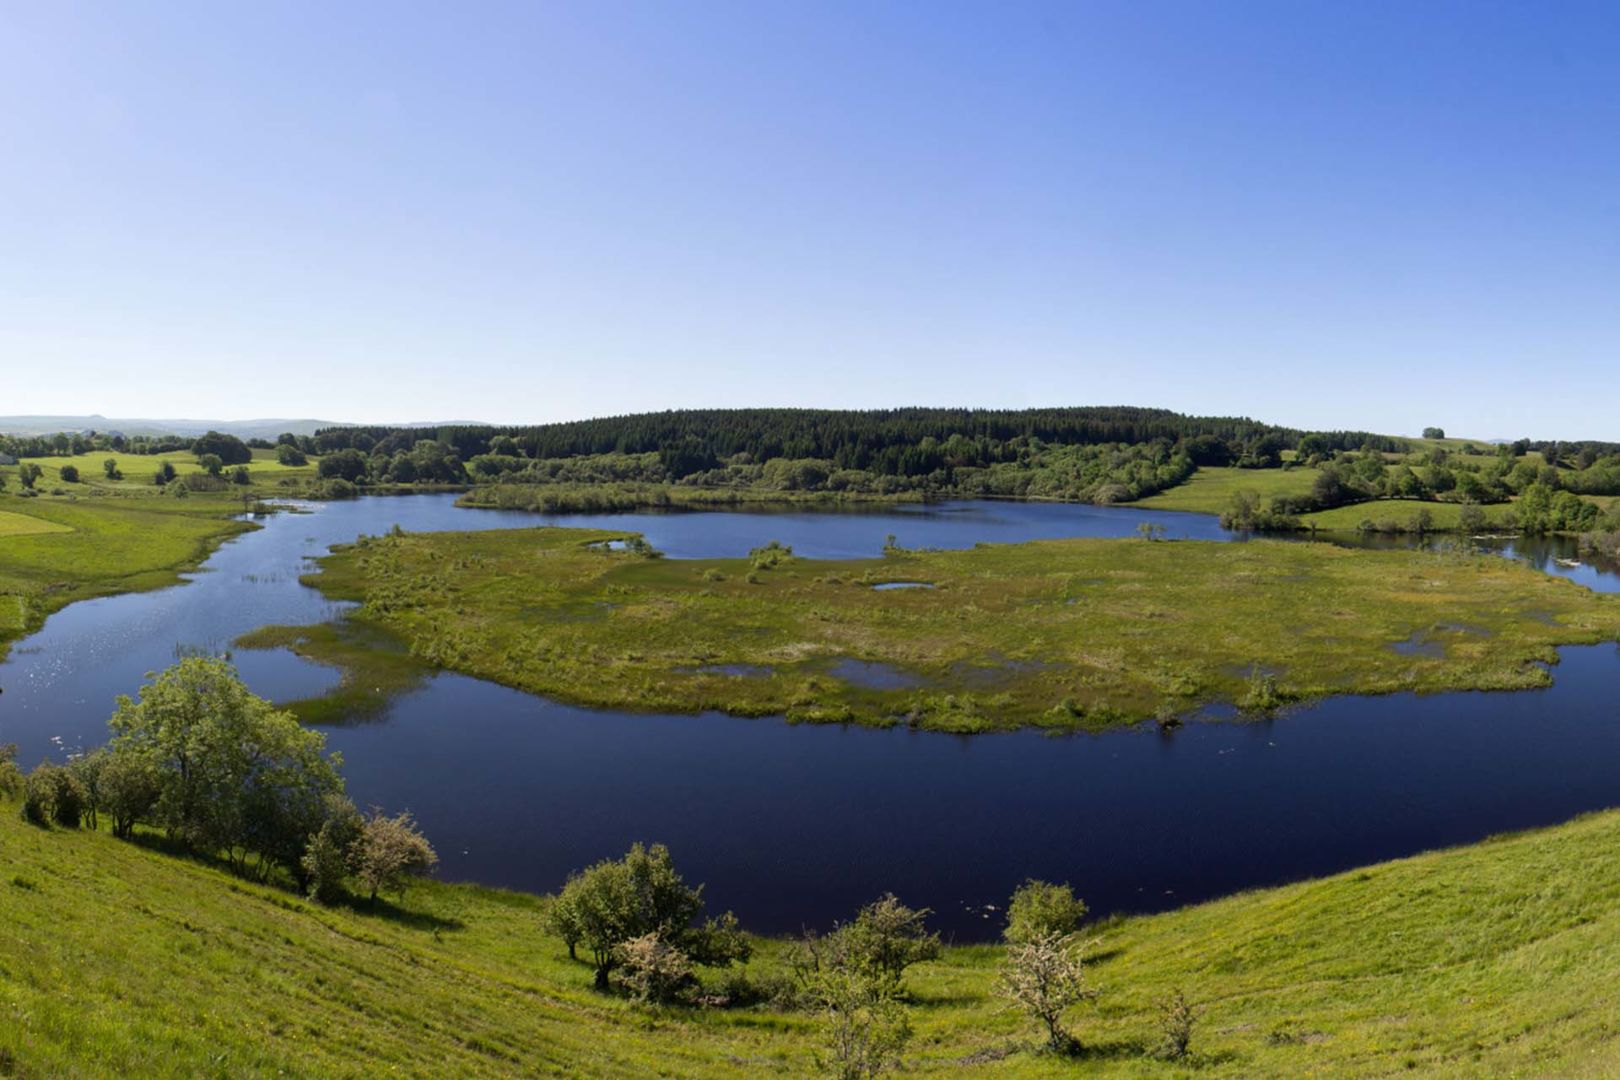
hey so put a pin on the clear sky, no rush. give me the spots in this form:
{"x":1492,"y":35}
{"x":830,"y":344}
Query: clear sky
{"x":1369,"y":215}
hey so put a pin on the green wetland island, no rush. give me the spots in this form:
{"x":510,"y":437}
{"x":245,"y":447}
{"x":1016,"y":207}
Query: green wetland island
{"x":1058,"y":634}
{"x":190,"y":885}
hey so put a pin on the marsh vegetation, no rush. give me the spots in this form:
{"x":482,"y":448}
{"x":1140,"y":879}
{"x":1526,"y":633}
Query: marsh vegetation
{"x":1082,"y":633}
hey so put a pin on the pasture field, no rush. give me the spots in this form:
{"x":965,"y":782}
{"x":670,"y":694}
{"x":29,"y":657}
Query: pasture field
{"x":138,"y":469}
{"x":12,"y":524}
{"x":1063,"y":633}
{"x":1500,"y":959}
{"x":1210,"y":490}
{"x":54,"y":551}
{"x":1445,"y":517}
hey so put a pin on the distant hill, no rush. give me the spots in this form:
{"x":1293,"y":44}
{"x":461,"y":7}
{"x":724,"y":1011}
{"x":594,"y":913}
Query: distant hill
{"x":244,"y":429}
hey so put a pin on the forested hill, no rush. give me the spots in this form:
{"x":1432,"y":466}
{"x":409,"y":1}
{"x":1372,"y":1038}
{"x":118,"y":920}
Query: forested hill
{"x":885,"y":441}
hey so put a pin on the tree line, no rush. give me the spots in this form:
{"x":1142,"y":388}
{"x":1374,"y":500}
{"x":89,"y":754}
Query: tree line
{"x":889,"y":442}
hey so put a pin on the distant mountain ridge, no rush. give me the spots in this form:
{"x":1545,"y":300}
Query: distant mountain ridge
{"x":243,"y":429}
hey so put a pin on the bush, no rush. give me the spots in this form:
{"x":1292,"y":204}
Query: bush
{"x":865,"y":1029}
{"x":739,"y":989}
{"x":389,"y":852}
{"x":772,"y":554}
{"x":328,"y":858}
{"x":11,"y":778}
{"x":1176,"y":1019}
{"x":52,"y":794}
{"x":1040,"y":909}
{"x":335,"y":489}
{"x":656,"y":972}
{"x":885,"y":938}
{"x":1044,"y":977}
{"x":287,"y":454}
{"x":87,"y":770}
{"x":127,"y":788}
{"x":69,"y":474}
{"x":618,"y":900}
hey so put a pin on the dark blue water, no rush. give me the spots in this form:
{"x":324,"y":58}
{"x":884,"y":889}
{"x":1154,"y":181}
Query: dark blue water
{"x":794,"y":825}
{"x":800,"y":824}
{"x":859,"y":533}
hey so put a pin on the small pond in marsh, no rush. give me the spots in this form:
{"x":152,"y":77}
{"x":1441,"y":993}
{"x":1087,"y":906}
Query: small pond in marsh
{"x":792,"y":825}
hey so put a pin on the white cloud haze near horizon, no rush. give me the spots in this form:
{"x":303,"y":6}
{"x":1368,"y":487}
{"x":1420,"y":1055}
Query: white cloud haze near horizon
{"x":1324,"y":216}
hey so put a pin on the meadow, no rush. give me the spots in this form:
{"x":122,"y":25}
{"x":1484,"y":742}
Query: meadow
{"x":1397,"y":515}
{"x":1062,"y":634}
{"x":137,"y":470}
{"x":1499,"y":959}
{"x":54,"y":551}
{"x":1212,"y":488}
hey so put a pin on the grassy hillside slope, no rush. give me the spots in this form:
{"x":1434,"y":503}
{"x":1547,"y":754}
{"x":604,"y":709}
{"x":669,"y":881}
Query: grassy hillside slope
{"x":1501,"y":959}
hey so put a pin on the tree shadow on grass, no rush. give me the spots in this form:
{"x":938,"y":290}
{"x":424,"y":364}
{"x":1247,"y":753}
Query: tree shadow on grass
{"x":381,"y":908}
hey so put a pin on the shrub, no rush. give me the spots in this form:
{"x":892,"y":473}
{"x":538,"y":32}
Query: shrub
{"x":11,"y":778}
{"x":772,"y":554}
{"x":1044,"y":977}
{"x":327,"y":859}
{"x":240,"y":475}
{"x":127,"y":788}
{"x":1261,"y":695}
{"x":69,"y":474}
{"x":287,"y":454}
{"x":884,"y":939}
{"x":53,"y":794}
{"x":865,"y":1029}
{"x":389,"y":852}
{"x":1176,"y":1019}
{"x":87,"y":770}
{"x":1039,"y":909}
{"x":335,"y":489}
{"x":617,"y":900}
{"x":110,"y":467}
{"x":656,"y":972}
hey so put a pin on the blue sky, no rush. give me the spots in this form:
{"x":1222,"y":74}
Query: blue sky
{"x":1329,"y":215}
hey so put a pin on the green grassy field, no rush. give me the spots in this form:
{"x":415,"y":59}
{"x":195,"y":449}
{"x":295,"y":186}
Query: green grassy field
{"x":137,"y":470}
{"x":1444,"y":516}
{"x":12,"y":524}
{"x":1210,"y":490}
{"x":1060,"y":633}
{"x":1495,"y":960}
{"x":55,"y":551}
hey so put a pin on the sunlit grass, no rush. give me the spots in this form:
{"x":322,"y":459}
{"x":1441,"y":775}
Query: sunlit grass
{"x":1062,"y":633}
{"x":1499,"y":959}
{"x":1211,"y":490}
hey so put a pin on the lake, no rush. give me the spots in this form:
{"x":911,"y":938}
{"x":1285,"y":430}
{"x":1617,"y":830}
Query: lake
{"x":794,"y":825}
